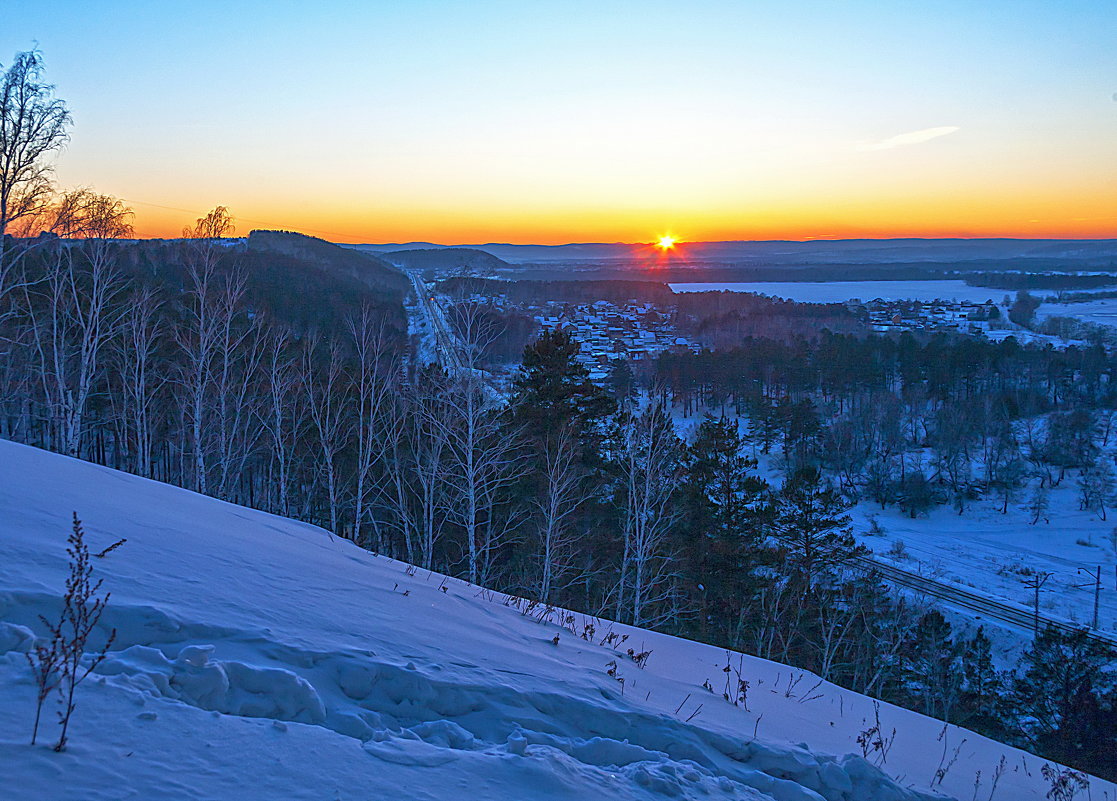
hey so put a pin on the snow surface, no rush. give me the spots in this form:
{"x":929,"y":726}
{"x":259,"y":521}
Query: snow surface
{"x":1102,"y":311}
{"x":261,"y":658}
{"x":992,"y":554}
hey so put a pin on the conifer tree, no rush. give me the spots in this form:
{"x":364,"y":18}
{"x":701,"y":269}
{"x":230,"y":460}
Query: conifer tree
{"x":727,"y":521}
{"x":562,"y":417}
{"x":1057,"y":695}
{"x":934,"y":675}
{"x":621,"y":381}
{"x":813,"y":528}
{"x":982,"y":686}
{"x":553,"y":389}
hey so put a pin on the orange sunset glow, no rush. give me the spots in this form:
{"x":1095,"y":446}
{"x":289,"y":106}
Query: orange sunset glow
{"x":1072,"y":216}
{"x":731,"y":122}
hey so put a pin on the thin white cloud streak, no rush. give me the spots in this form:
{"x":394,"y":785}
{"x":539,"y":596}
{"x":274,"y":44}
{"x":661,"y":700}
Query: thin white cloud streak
{"x":910,"y":138}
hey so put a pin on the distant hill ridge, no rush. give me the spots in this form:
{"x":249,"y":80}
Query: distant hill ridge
{"x":444,"y":259}
{"x":829,"y":251}
{"x":299,"y":282}
{"x":368,"y":268}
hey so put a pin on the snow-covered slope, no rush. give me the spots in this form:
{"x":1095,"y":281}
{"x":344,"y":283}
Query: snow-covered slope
{"x":258,"y":657}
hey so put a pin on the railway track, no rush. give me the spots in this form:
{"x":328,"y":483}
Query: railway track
{"x":448,"y":353}
{"x":956,"y":596}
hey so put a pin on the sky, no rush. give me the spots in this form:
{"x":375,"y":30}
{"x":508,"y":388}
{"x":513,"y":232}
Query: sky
{"x":550,"y":122}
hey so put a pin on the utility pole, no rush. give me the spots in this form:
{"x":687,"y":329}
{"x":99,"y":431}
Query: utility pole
{"x":1096,"y":576}
{"x":1035,"y":582}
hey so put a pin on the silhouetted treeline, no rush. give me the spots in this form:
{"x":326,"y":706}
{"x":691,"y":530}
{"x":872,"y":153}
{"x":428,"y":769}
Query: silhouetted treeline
{"x":724,"y":319}
{"x":375,"y":274}
{"x":618,"y":292}
{"x":445,"y":259}
{"x":918,"y":422}
{"x":1013,"y":280}
{"x":304,"y":291}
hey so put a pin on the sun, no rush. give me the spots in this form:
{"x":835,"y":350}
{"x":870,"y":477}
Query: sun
{"x":667,"y":242}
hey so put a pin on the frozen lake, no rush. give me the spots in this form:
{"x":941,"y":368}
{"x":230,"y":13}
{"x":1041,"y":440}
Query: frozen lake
{"x":841,"y":291}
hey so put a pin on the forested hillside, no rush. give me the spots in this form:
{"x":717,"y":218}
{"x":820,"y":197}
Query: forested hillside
{"x":182,"y":359}
{"x":295,"y":279}
{"x":444,"y":259}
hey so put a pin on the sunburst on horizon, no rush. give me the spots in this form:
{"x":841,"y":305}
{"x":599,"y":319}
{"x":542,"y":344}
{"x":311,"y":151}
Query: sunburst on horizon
{"x":667,"y":242}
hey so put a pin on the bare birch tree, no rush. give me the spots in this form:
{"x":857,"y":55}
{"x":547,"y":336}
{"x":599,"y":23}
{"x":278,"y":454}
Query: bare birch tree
{"x":280,"y":413}
{"x":74,"y":310}
{"x":140,"y":376}
{"x":483,"y":461}
{"x":33,"y":125}
{"x":239,"y":352}
{"x":649,"y":466}
{"x":563,"y":491}
{"x":426,"y":430}
{"x":323,"y":382}
{"x":373,"y":382}
{"x":198,"y":338}
{"x":400,"y":467}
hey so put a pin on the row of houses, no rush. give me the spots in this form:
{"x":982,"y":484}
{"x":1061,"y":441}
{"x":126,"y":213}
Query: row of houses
{"x":606,"y":332}
{"x":912,"y":315}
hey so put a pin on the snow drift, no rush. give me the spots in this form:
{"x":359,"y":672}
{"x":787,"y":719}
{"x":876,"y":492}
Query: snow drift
{"x":258,"y":657}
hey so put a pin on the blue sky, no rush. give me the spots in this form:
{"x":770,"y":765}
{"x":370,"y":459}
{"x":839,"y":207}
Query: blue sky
{"x":558,"y":121}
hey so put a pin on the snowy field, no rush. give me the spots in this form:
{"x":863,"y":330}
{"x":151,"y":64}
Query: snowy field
{"x":260,"y":658}
{"x":993,"y":554}
{"x":842,"y":291}
{"x":1101,"y":312}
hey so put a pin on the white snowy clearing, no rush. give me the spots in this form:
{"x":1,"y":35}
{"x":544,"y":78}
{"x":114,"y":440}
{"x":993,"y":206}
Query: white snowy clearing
{"x":993,"y":554}
{"x":1102,"y":311}
{"x":261,"y":658}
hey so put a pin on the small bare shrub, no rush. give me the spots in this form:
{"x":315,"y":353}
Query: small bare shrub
{"x":1064,"y":783}
{"x":57,"y":662}
{"x":45,"y":659}
{"x":874,"y":741}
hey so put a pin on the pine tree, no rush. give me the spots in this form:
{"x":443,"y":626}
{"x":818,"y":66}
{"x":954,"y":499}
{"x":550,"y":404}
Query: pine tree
{"x":621,"y":380}
{"x":558,"y":410}
{"x":727,"y":521}
{"x":982,"y":686}
{"x":1057,"y":694}
{"x":554,"y":390}
{"x":811,"y":525}
{"x":934,"y":676}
